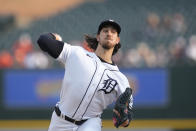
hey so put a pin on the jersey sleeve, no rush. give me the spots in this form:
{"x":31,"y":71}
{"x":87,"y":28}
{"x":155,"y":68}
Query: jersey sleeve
{"x":131,"y":97}
{"x":131,"y":102}
{"x":125,"y":84}
{"x":64,"y":53}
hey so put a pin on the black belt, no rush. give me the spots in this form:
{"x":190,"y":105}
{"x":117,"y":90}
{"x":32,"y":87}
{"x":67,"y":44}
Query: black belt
{"x":58,"y":112}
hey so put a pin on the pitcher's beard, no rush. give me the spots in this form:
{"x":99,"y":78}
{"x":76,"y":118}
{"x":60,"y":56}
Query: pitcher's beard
{"x":107,"y":46}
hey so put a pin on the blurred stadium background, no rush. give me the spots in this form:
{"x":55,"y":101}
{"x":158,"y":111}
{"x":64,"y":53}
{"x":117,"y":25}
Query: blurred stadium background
{"x":158,"y":54}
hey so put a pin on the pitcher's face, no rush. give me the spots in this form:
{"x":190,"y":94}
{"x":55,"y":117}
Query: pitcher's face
{"x":108,"y":37}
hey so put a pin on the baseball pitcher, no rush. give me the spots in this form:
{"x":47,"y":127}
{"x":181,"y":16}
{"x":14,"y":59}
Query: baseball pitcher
{"x":91,"y":81}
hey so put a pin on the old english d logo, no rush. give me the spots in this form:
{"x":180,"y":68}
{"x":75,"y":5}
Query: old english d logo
{"x":109,"y":85}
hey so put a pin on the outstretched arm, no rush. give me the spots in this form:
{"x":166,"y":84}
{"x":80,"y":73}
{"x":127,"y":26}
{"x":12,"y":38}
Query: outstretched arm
{"x":51,"y":43}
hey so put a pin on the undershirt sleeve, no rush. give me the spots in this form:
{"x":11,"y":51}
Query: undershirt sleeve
{"x":48,"y":44}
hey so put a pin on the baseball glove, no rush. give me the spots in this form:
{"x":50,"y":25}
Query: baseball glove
{"x":122,"y":114}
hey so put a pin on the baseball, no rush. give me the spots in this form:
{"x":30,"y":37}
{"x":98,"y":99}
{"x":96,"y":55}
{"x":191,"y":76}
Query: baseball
{"x":58,"y":37}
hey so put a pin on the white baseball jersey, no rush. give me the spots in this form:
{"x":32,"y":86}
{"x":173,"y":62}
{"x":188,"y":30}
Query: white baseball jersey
{"x":89,"y":85}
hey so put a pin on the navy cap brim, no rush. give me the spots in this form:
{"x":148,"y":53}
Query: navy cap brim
{"x":107,"y":23}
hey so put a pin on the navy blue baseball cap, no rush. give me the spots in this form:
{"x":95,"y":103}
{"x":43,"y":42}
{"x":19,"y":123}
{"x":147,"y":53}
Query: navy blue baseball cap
{"x":107,"y":23}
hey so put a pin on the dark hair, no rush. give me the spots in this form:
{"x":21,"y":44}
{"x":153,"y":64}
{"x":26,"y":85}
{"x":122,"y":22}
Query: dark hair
{"x":93,"y":43}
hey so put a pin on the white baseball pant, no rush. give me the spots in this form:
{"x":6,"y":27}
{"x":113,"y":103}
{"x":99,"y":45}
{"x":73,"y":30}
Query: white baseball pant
{"x":59,"y":124}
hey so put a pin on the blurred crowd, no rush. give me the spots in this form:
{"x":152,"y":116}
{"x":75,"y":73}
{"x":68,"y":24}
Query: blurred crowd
{"x":161,"y":43}
{"x":23,"y":54}
{"x":178,"y":53}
